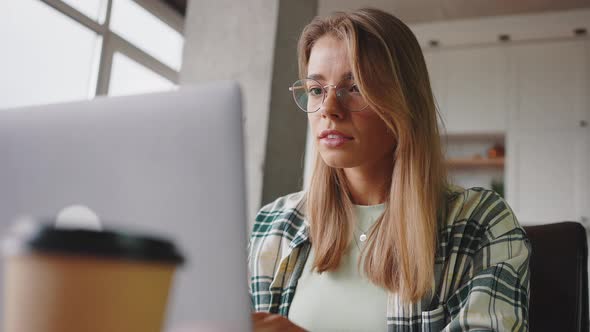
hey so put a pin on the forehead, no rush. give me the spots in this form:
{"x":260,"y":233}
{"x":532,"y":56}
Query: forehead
{"x":328,"y":59}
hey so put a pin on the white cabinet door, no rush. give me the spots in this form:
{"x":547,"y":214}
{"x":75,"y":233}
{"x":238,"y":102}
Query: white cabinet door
{"x":585,"y":197}
{"x":551,"y":84}
{"x":477,"y":89}
{"x":586,"y":128}
{"x":547,"y":178}
{"x":436,"y":72}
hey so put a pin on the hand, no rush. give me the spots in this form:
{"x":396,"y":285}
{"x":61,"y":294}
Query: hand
{"x":265,"y":322}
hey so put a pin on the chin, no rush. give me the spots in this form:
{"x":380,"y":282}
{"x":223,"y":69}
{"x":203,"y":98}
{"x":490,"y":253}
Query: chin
{"x":339,"y":160}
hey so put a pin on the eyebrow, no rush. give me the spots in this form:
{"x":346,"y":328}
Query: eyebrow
{"x":320,"y":77}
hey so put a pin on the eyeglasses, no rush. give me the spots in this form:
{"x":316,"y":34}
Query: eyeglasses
{"x":310,"y":95}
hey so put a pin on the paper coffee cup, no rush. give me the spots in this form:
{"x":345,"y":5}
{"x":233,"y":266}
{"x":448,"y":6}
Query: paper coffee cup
{"x":59,"y":280}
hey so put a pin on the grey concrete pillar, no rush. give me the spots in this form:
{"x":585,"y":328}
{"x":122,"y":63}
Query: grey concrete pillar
{"x":287,"y":126}
{"x":228,"y":39}
{"x":254,"y":43}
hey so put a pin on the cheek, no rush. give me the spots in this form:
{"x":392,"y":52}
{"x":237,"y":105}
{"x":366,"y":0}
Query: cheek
{"x":367,"y":116}
{"x":312,"y":121}
{"x":375,"y":132}
{"x":369,"y":124}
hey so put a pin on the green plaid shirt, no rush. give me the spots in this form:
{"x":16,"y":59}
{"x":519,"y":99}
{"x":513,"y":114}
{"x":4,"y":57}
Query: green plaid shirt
{"x":481,"y":267}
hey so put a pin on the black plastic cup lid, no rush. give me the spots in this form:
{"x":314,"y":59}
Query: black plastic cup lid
{"x":44,"y":238}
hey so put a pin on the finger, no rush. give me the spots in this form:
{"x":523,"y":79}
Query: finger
{"x":274,"y":317}
{"x":257,"y":316}
{"x":267,"y":320}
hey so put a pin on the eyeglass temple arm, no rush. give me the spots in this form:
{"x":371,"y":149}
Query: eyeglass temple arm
{"x":295,"y":88}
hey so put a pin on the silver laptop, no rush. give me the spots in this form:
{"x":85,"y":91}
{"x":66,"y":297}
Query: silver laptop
{"x":168,"y":163}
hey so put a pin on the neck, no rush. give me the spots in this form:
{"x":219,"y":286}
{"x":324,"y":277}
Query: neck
{"x":369,"y":184}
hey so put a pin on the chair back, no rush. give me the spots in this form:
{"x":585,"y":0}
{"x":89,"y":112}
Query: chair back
{"x":559,"y":277}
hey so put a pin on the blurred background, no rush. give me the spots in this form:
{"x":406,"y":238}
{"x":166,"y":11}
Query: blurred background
{"x":511,"y":80}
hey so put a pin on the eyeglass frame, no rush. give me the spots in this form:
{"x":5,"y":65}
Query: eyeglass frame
{"x":325,"y":92}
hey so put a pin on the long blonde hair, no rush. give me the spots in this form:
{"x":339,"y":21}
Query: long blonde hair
{"x":389,"y":68}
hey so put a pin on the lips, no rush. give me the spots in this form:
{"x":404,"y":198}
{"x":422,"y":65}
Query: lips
{"x":333,"y":134}
{"x":334,"y":138}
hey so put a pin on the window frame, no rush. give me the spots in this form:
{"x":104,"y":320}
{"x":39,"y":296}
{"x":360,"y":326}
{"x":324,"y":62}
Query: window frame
{"x":110,"y":42}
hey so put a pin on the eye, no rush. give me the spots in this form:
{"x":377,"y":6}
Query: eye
{"x":315,"y":91}
{"x":354,"y":89}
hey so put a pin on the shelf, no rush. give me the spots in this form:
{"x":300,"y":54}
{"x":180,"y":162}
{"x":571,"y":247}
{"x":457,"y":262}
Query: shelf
{"x":476,"y":163}
{"x":490,"y":136}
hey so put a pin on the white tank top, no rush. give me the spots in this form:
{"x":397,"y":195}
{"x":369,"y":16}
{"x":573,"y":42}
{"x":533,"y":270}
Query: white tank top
{"x":341,"y":300}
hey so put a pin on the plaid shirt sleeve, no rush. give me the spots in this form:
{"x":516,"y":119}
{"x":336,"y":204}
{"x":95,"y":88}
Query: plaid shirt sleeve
{"x":494,"y":286}
{"x":274,"y":254}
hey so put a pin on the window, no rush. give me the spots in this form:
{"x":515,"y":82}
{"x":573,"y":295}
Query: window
{"x":128,"y":77}
{"x":94,"y":9}
{"x":61,"y":50}
{"x":137,"y":25}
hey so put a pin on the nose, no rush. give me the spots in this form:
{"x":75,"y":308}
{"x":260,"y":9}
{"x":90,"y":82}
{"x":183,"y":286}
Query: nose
{"x":331,"y":107}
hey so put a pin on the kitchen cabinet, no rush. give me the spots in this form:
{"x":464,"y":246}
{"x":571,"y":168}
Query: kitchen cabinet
{"x":547,"y":175}
{"x":548,"y":169}
{"x":469,"y":84}
{"x":551,"y":84}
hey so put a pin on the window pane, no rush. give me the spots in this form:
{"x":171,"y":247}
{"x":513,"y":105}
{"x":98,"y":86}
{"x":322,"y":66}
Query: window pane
{"x":129,"y":77}
{"x":146,"y":31}
{"x":46,"y":57}
{"x":90,"y":8}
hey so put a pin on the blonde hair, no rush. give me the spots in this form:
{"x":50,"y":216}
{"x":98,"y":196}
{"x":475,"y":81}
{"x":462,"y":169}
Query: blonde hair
{"x":389,"y":68}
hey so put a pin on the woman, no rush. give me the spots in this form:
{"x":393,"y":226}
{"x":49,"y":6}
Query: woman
{"x":380,"y":240}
